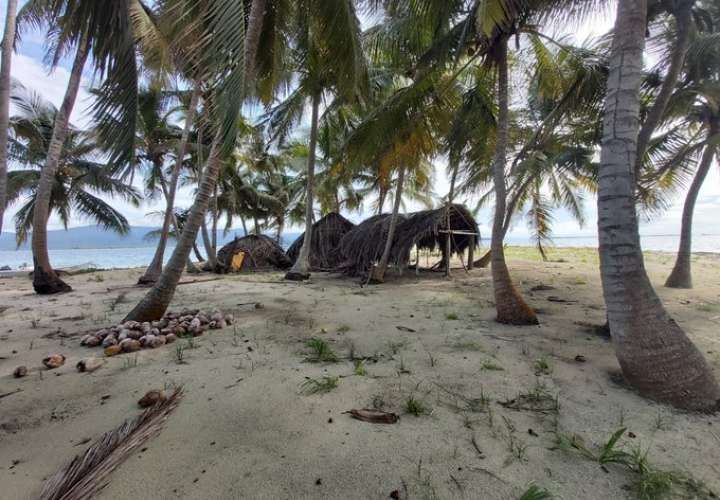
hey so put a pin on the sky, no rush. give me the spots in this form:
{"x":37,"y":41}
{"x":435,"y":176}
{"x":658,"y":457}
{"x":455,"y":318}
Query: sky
{"x":28,"y":67}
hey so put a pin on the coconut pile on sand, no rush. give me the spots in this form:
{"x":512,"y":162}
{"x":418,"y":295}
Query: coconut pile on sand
{"x":132,"y":336}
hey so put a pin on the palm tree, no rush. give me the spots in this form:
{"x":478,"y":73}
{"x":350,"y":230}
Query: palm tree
{"x":77,"y":180}
{"x":655,"y":354}
{"x":5,"y":83}
{"x":209,"y":31}
{"x":109,"y":31}
{"x":157,"y":137}
{"x":326,"y":58}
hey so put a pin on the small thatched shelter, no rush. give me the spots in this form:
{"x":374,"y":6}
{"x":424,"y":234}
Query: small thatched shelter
{"x":427,"y":230}
{"x":254,"y":252}
{"x":326,"y":236}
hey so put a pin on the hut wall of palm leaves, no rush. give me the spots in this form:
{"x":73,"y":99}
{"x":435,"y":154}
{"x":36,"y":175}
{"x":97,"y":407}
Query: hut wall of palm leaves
{"x":327,"y":233}
{"x":362,"y":247}
{"x":260,"y":253}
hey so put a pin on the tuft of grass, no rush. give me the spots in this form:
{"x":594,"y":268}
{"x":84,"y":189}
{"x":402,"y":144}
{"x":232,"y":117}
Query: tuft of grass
{"x":542,"y":366}
{"x":360,"y":370}
{"x":415,"y":406}
{"x":319,"y":386}
{"x":180,"y":354}
{"x":534,"y":492}
{"x":344,"y":328}
{"x":129,"y":362}
{"x":451,"y":316}
{"x":320,"y":351}
{"x":491,"y":366}
{"x":468,"y":346}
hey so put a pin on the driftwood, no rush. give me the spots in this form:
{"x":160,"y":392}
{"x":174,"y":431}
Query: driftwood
{"x":89,"y":473}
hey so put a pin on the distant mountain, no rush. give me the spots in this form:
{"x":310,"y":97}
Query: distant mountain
{"x":97,"y":237}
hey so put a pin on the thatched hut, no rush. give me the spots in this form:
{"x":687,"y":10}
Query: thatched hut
{"x":254,"y":252}
{"x":326,"y":236}
{"x":427,"y":230}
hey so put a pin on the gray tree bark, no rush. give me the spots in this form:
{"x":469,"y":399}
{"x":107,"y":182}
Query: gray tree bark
{"x":377,"y":274}
{"x":681,"y":275}
{"x":655,"y":355}
{"x":301,"y":268}
{"x":45,"y":280}
{"x":509,"y":305}
{"x":5,"y":84}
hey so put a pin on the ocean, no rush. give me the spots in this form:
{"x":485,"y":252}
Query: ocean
{"x":139,"y":256}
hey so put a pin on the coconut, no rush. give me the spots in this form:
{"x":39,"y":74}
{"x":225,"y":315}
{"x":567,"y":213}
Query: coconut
{"x":154,"y":331}
{"x":54,"y":361}
{"x":93,"y":341}
{"x":20,"y":371}
{"x":229,"y":319}
{"x":147,"y":341}
{"x":112,"y":350}
{"x":156,"y":341}
{"x":109,"y":340}
{"x":89,"y":364}
{"x":130,"y":345}
{"x":216,"y":316}
{"x":124,"y":334}
{"x":150,"y":398}
{"x":170,"y":338}
{"x":134,"y":334}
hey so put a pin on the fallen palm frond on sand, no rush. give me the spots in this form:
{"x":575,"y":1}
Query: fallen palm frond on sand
{"x":89,"y":473}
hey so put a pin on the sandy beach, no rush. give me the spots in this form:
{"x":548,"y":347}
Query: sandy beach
{"x":246,"y":427}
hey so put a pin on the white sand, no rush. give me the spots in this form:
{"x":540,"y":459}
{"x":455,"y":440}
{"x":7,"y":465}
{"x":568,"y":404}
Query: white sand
{"x":245,"y":430}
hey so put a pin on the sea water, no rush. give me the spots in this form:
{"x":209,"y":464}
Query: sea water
{"x":118,"y":258}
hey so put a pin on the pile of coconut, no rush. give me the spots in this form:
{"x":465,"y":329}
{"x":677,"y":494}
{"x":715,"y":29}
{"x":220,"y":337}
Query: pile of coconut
{"x":132,"y":336}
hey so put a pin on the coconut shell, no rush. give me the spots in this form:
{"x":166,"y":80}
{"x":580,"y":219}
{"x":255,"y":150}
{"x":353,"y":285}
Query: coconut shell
{"x":20,"y":371}
{"x":150,"y":398}
{"x":89,"y":364}
{"x":112,"y":350}
{"x":130,"y":345}
{"x":170,"y":338}
{"x":109,"y":340}
{"x":93,"y":341}
{"x":54,"y":361}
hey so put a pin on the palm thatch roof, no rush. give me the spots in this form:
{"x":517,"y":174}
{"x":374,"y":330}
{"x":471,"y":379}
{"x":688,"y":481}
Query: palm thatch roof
{"x":261,"y":253}
{"x":363,"y":246}
{"x":326,"y":236}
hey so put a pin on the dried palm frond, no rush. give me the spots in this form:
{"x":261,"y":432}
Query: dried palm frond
{"x":89,"y":473}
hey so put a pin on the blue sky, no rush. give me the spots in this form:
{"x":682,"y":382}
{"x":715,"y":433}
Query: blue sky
{"x":29,"y":69}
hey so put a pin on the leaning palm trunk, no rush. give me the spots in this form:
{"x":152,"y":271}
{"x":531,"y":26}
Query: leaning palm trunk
{"x":5,"y":80}
{"x":301,"y":268}
{"x":448,"y":239}
{"x":45,"y":280}
{"x":655,"y":355}
{"x":377,"y":274}
{"x":152,"y":273}
{"x":510,"y":306}
{"x":681,"y":276}
{"x":252,"y":37}
{"x":683,"y":24}
{"x":155,"y":303}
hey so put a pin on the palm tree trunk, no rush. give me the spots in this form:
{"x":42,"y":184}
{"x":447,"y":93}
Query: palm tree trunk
{"x":655,"y":355}
{"x":448,"y":235}
{"x":213,"y":236}
{"x":510,"y":306}
{"x":252,"y":37}
{"x":211,"y":260}
{"x":152,"y":273}
{"x":197,"y":253}
{"x":681,"y":275}
{"x":377,"y":274}
{"x":301,"y":268}
{"x":45,"y":280}
{"x":683,"y":23}
{"x":381,"y":200}
{"x":156,"y":301}
{"x":5,"y":83}
{"x":280,"y":228}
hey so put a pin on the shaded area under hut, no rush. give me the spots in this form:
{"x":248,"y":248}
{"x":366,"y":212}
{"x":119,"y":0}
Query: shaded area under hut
{"x":362,"y":247}
{"x":251,"y":253}
{"x":326,"y":236}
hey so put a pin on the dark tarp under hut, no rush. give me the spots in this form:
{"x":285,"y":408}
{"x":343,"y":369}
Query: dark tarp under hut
{"x":326,"y":236}
{"x":259,"y":253}
{"x":363,"y":246}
